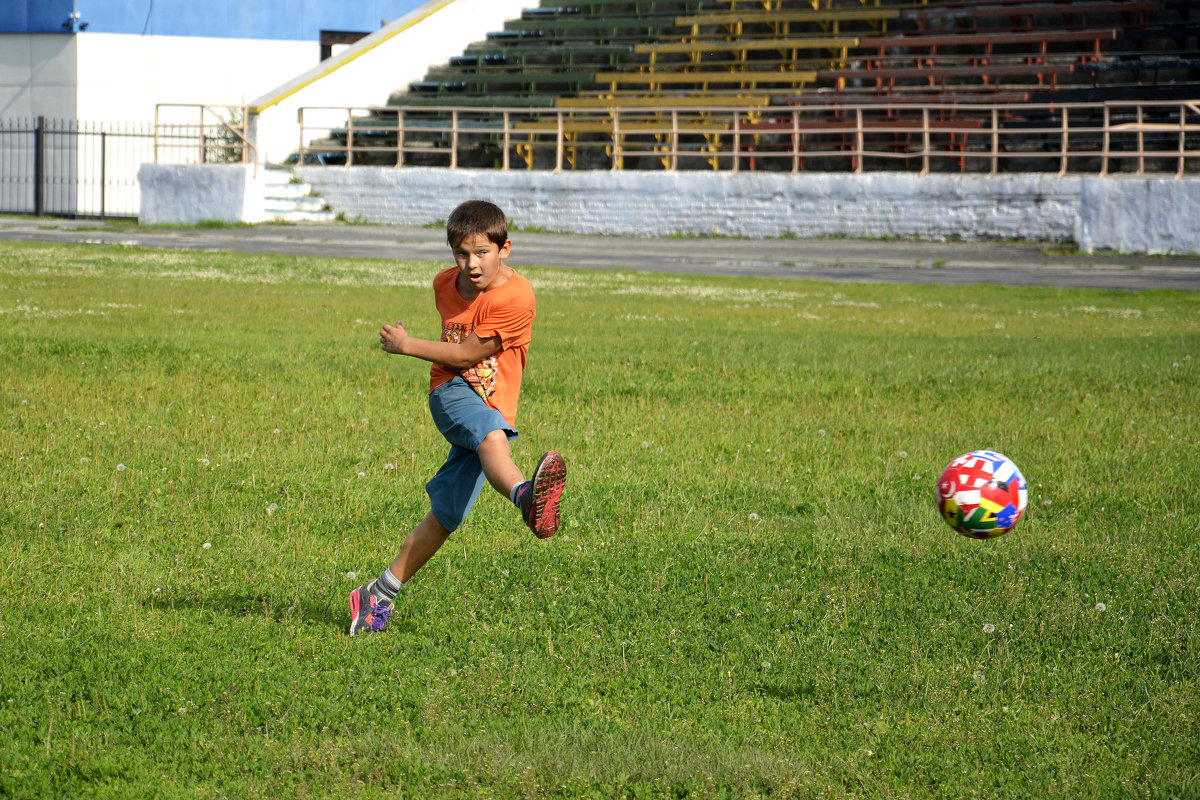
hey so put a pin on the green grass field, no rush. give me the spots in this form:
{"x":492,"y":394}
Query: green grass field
{"x":752,"y":596}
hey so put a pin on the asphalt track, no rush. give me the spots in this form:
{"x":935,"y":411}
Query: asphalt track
{"x":821,"y":259}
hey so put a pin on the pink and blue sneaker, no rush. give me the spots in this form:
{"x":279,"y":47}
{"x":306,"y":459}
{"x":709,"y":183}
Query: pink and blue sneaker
{"x":366,"y":614}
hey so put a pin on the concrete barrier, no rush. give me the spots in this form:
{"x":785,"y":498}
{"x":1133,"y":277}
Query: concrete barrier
{"x":1126,"y":214}
{"x":1140,"y":215}
{"x":1029,"y":206}
{"x":186,"y":195}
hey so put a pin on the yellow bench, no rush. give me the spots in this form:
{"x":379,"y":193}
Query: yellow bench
{"x":708,"y":139}
{"x":782,"y":20}
{"x":665,"y":101}
{"x":794,"y":45}
{"x":702,"y":80}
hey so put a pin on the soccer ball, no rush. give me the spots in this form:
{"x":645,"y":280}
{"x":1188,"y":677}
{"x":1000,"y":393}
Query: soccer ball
{"x":982,"y":494}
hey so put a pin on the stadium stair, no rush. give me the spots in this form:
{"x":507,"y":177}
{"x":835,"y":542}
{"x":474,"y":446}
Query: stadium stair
{"x":287,"y":200}
{"x":588,"y":56}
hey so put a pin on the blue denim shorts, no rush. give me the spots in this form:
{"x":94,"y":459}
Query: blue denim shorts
{"x":465,"y":420}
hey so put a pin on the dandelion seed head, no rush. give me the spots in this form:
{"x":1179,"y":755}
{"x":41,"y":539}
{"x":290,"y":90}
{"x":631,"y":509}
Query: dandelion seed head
{"x":753,"y":517}
{"x":83,"y":460}
{"x":271,"y":509}
{"x":389,"y":466}
{"x":362,"y":474}
{"x":821,"y":432}
{"x":204,"y":462}
{"x":208,"y":545}
{"x":1101,"y":607}
{"x":351,"y":575}
{"x":120,"y":467}
{"x":989,"y":627}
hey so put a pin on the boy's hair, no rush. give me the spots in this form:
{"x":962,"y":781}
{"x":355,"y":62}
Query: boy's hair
{"x":477,"y":217}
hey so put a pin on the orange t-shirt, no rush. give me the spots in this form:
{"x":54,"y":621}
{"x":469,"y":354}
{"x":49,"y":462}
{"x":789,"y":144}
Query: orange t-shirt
{"x":506,"y":311}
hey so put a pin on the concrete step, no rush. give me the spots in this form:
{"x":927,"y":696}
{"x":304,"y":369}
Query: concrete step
{"x":288,"y":201}
{"x":302,"y":216}
{"x":305,"y":203}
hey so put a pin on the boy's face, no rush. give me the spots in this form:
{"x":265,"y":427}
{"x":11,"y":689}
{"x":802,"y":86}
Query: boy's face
{"x":480,"y":261}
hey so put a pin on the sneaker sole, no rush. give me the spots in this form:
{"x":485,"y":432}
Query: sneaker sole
{"x":355,"y":607}
{"x":548,"y":481}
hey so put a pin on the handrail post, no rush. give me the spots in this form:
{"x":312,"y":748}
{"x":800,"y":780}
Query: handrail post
{"x":1141,"y":140}
{"x":349,"y":136}
{"x":454,"y":139}
{"x":1063,"y":144}
{"x":1104,"y":146}
{"x":400,"y":137}
{"x":616,"y":134}
{"x":860,"y":142}
{"x":674,"y":139}
{"x":925,"y":140}
{"x":559,"y":145}
{"x":795,"y":139}
{"x":507,"y":128}
{"x":1182,"y":138}
{"x":737,"y":140}
{"x":995,"y":140}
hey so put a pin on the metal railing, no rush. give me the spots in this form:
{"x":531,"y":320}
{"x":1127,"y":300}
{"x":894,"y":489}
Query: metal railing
{"x":1062,"y":138}
{"x":72,"y":168}
{"x":191,"y":133}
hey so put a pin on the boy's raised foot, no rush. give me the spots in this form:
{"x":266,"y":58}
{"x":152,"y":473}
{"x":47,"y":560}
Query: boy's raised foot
{"x":367,"y":616}
{"x":538,"y":499}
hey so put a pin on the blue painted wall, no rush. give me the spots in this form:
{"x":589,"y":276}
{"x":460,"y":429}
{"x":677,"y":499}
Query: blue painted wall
{"x":298,"y":20}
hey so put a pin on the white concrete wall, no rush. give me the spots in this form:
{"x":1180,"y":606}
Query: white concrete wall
{"x":375,"y":67}
{"x":731,"y":204}
{"x":38,"y":74}
{"x":1127,"y":214}
{"x":1146,"y":215}
{"x":1140,"y":215}
{"x":173,"y":194}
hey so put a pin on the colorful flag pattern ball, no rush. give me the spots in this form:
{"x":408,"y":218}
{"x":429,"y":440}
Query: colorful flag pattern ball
{"x":982,"y":494}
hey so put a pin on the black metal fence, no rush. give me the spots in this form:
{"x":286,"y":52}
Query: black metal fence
{"x":69,"y":168}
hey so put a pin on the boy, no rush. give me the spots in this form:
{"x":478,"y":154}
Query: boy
{"x":487,"y":312}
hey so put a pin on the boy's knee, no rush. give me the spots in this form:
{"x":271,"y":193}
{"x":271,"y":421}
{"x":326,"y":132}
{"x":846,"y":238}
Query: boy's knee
{"x":496,"y":438}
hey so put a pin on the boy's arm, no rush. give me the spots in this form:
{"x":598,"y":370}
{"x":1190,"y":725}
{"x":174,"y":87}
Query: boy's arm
{"x":456,"y":355}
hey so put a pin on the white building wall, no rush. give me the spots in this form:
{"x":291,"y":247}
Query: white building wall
{"x":122,"y":77}
{"x":38,"y":74}
{"x":366,"y":73}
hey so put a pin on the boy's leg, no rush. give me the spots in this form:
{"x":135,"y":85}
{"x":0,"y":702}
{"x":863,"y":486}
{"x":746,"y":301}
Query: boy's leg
{"x":538,"y":498}
{"x":425,"y":540}
{"x":371,"y":603}
{"x":495,"y":456}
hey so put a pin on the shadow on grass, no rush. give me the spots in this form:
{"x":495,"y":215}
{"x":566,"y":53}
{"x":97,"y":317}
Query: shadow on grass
{"x":323,"y":611}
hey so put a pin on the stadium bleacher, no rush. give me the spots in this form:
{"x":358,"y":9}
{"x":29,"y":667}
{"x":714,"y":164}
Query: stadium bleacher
{"x":825,"y":56}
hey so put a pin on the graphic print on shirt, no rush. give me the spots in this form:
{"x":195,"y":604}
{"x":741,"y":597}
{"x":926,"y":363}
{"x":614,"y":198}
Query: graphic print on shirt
{"x":482,"y":376}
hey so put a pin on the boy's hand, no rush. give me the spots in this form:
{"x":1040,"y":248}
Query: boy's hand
{"x":392,"y":337}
